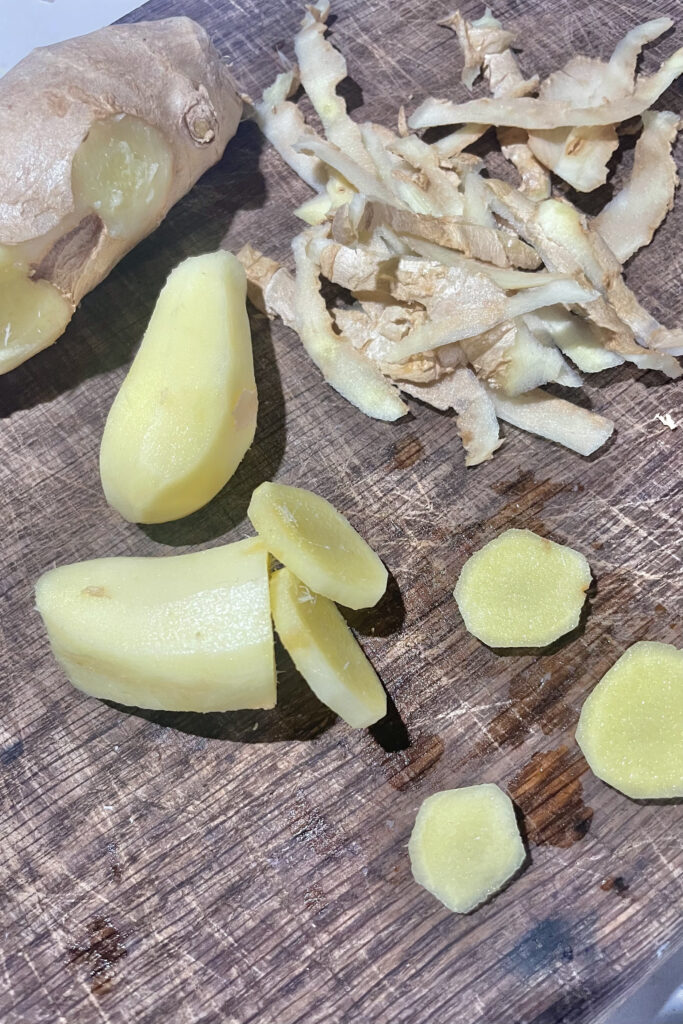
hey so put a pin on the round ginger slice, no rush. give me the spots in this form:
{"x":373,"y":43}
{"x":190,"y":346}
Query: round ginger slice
{"x":325,"y":651}
{"x":465,"y":845}
{"x":631,"y":726}
{"x":308,"y":535}
{"x":522,"y":590}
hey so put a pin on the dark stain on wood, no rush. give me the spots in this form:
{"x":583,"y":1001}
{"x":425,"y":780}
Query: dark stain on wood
{"x":618,"y":885}
{"x":406,"y":453}
{"x":12,"y":753}
{"x":100,"y":953}
{"x":545,"y":946}
{"x":549,"y":793}
{"x":114,"y":861}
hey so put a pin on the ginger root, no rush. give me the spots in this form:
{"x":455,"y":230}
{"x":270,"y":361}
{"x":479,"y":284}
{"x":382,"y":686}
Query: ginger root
{"x":103,"y":134}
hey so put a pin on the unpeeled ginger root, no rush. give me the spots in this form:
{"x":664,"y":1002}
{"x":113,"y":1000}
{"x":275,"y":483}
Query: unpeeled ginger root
{"x":186,"y":413}
{"x":181,"y":633}
{"x":465,"y":845}
{"x":102,"y":135}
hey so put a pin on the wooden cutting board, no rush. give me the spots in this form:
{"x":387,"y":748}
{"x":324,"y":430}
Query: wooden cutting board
{"x":253,"y":867}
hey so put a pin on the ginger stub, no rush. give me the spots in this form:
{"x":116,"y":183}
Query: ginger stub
{"x":182,"y":633}
{"x":127,"y":119}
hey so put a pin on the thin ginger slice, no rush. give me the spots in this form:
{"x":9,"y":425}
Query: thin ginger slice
{"x":631,"y":725}
{"x":314,"y":540}
{"x":522,"y":590}
{"x":325,"y":651}
{"x":465,"y":845}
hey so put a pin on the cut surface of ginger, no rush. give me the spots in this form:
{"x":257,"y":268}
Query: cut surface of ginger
{"x":34,"y":313}
{"x":181,"y":633}
{"x":465,"y":845}
{"x":631,"y":725}
{"x":122,"y":170}
{"x":310,"y":537}
{"x":522,"y":590}
{"x":325,"y":651}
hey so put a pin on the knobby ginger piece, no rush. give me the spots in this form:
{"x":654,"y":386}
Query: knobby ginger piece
{"x":185,"y":415}
{"x":323,"y":648}
{"x":630,"y":219}
{"x":182,"y":633}
{"x":466,"y":845}
{"x":310,"y":537}
{"x":103,"y":134}
{"x":631,"y":725}
{"x":522,"y":590}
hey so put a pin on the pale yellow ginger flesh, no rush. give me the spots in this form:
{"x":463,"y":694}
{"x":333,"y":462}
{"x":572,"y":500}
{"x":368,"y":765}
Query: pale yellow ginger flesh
{"x":34,"y":313}
{"x":465,"y":845}
{"x":522,"y":590}
{"x":631,"y":725}
{"x":184,"y":633}
{"x":325,"y":651}
{"x":186,"y":413}
{"x":319,"y":545}
{"x":122,"y":170}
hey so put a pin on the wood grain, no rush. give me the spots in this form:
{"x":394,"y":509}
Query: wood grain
{"x":252,"y":867}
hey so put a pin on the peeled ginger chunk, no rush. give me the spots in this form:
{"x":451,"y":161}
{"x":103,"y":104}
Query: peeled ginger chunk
{"x":186,"y":413}
{"x":465,"y":845}
{"x":522,"y":590}
{"x":309,"y":536}
{"x":184,"y":633}
{"x":631,"y":726}
{"x":325,"y":651}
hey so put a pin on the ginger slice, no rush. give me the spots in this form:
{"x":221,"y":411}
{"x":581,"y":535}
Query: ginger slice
{"x":325,"y":651}
{"x":631,"y":725}
{"x":319,"y":545}
{"x":522,"y":590}
{"x":465,"y":845}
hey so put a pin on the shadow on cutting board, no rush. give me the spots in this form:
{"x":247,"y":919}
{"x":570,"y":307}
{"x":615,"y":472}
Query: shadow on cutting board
{"x":110,"y":321}
{"x":299,"y":715}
